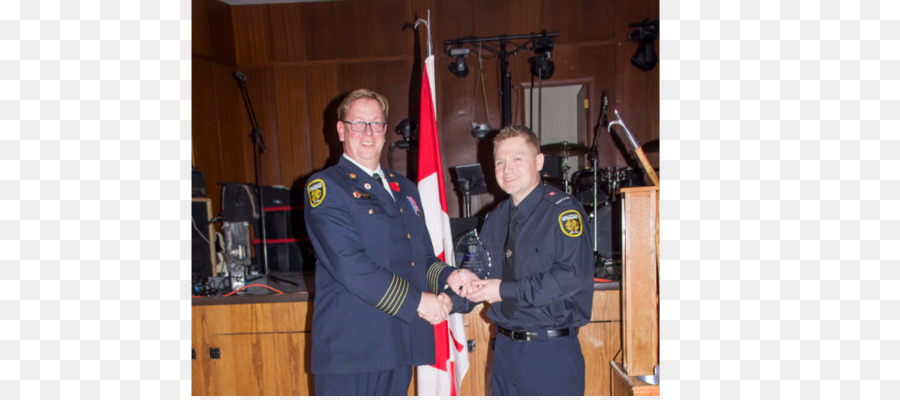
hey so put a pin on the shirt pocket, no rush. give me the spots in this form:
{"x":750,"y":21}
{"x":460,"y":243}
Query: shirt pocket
{"x":535,"y":259}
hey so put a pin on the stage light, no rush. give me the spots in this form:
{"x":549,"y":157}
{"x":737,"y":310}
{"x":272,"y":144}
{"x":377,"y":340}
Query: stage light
{"x":480,"y":131}
{"x":459,"y":67}
{"x":645,"y":57}
{"x":541,"y":66}
{"x":405,"y":129}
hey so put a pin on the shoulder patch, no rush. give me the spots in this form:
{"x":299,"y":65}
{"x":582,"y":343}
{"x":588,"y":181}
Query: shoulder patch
{"x":316,"y":191}
{"x":570,"y":223}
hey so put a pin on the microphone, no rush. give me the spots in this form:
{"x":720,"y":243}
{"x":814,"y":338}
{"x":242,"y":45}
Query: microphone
{"x":243,"y":78}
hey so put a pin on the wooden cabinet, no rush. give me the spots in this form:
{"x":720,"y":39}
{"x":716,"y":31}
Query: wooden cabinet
{"x":263,"y":349}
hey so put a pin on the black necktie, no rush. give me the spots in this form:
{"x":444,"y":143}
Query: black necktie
{"x":508,"y":306}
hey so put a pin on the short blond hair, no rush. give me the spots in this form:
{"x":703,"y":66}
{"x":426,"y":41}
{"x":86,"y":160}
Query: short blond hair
{"x":357,"y":94}
{"x":514,"y":131}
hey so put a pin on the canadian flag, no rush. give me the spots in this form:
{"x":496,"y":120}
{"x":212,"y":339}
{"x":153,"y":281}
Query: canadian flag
{"x":451,"y":354}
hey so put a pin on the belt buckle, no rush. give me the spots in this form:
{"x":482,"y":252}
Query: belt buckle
{"x":519,"y":336}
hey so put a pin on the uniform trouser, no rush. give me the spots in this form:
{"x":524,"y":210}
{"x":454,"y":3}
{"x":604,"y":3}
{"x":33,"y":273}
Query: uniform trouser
{"x":548,"y":367}
{"x":391,"y":382}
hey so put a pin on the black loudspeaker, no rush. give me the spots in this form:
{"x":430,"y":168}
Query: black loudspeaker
{"x":284,"y":246}
{"x":202,"y":250}
{"x":239,"y":202}
{"x":198,"y":183}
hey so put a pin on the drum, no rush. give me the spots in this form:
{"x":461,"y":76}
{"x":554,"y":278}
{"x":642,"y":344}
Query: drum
{"x":609,"y":180}
{"x":583,"y":186}
{"x":629,"y":177}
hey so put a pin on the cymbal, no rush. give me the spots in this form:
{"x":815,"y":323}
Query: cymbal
{"x":651,"y":146}
{"x":564,"y":148}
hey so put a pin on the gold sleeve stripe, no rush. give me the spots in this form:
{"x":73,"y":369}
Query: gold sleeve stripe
{"x":394,"y":296}
{"x":381,"y":302}
{"x":400,"y":299}
{"x":434,"y":274}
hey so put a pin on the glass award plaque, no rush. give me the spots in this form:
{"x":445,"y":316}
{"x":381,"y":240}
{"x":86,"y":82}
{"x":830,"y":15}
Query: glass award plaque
{"x":475,"y":256}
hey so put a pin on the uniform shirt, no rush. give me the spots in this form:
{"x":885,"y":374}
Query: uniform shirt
{"x":554,"y":281}
{"x":374,"y":257}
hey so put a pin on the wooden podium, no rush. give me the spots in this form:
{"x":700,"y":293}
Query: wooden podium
{"x":624,"y":385}
{"x":640,"y":285}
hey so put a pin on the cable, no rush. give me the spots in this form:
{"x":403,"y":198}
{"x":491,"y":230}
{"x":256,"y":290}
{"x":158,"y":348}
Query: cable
{"x":252,"y":285}
{"x":487,"y":112}
{"x":194,"y":223}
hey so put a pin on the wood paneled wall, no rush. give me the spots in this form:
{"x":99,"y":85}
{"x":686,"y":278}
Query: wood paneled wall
{"x":301,"y":58}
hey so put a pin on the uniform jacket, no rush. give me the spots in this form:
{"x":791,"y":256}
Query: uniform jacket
{"x":374,"y":258}
{"x":554,"y":262}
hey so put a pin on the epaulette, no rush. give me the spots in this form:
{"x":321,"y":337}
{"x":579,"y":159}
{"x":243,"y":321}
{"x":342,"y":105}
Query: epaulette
{"x":556,"y":197}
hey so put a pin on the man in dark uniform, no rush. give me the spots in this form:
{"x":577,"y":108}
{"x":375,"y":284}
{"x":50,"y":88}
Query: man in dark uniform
{"x":541,"y":282}
{"x":376,"y":272}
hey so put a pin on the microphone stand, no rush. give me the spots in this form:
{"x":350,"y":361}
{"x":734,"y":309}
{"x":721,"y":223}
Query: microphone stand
{"x":259,"y":149}
{"x":595,"y":154}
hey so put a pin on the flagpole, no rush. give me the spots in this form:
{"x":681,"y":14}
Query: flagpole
{"x":427,"y":29}
{"x":451,"y":353}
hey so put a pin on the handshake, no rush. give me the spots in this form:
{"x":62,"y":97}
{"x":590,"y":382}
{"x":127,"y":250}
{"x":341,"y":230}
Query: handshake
{"x":436,"y":308}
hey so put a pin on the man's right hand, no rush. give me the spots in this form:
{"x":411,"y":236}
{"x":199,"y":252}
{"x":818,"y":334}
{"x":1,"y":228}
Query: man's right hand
{"x":460,"y":281}
{"x":433,"y":309}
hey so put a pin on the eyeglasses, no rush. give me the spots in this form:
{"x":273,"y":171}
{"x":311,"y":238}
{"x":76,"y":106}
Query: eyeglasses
{"x":360,"y":126}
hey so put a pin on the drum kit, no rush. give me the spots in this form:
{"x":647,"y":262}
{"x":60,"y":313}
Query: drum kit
{"x":598,"y":190}
{"x":581,"y":183}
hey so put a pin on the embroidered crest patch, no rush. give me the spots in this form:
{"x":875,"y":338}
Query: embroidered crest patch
{"x":570,"y":223}
{"x":316,"y":190}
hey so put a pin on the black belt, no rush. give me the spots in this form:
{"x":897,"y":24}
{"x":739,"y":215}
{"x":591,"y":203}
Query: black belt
{"x":519,"y":335}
